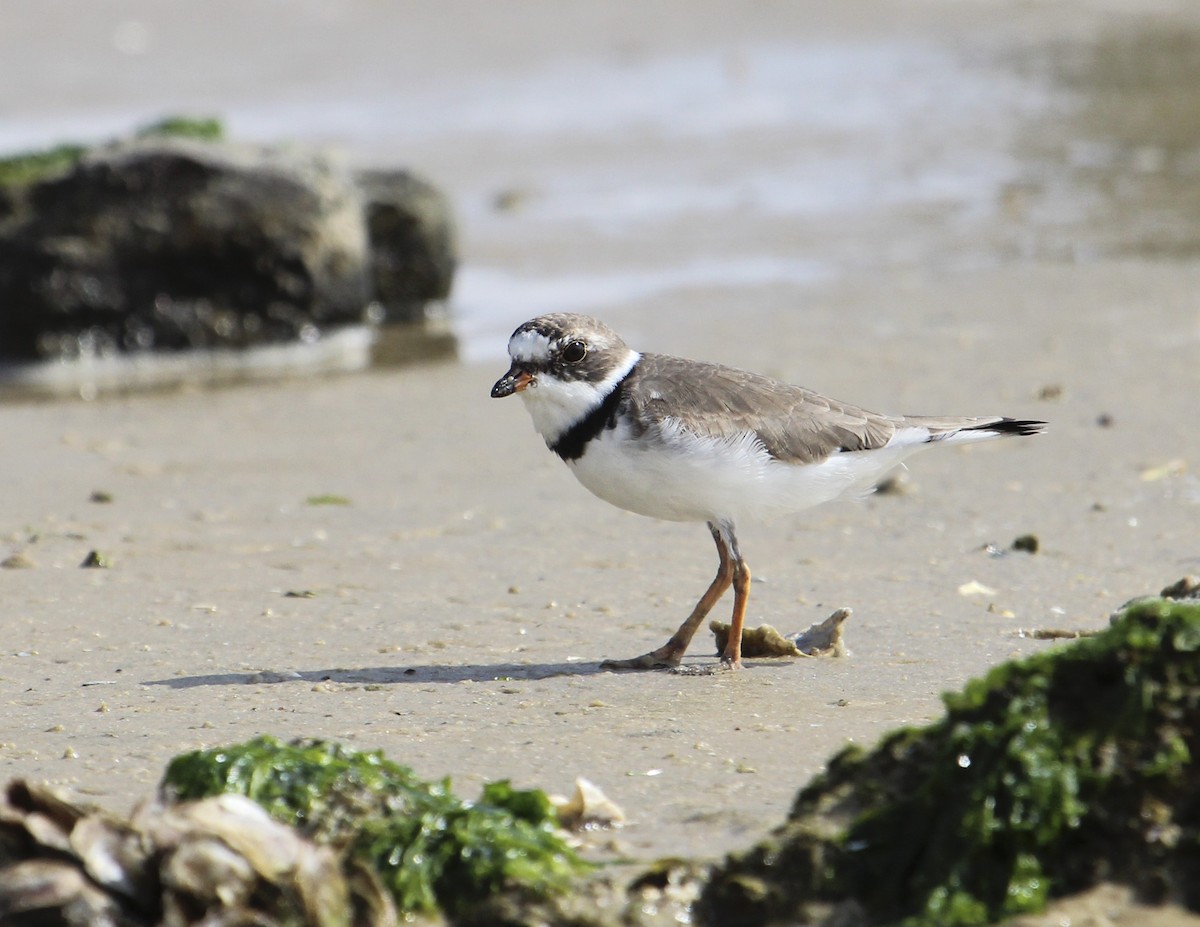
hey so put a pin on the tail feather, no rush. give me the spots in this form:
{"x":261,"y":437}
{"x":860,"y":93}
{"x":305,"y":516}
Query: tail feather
{"x":1010,"y":426}
{"x":962,"y":431}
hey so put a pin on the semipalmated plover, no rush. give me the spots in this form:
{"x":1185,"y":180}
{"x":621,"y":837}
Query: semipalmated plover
{"x":685,"y":440}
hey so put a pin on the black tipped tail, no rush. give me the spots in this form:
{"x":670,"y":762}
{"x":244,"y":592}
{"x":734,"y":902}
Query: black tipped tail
{"x":1010,"y":426}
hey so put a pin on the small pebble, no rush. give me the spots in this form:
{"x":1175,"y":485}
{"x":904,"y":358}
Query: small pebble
{"x":510,"y":198}
{"x":1186,"y":588}
{"x":96,"y":561}
{"x":897,"y":484}
{"x":1027,"y":542}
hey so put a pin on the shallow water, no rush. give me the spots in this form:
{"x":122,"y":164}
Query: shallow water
{"x":592,"y":177}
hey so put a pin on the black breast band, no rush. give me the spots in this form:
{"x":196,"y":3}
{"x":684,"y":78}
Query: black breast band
{"x":573,"y":442}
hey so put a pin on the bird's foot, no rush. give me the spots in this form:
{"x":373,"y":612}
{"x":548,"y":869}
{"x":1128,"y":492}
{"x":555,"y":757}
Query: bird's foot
{"x":655,"y":659}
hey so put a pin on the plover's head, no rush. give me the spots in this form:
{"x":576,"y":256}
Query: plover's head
{"x":563,"y":365}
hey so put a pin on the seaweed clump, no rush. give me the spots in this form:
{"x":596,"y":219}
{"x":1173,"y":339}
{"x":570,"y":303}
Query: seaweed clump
{"x":1047,"y":776}
{"x":431,"y":849}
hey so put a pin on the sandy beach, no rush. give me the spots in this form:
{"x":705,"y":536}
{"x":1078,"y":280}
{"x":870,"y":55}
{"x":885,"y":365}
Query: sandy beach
{"x":990,"y":249}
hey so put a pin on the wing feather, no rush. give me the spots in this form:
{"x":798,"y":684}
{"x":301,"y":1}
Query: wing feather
{"x":794,"y":424}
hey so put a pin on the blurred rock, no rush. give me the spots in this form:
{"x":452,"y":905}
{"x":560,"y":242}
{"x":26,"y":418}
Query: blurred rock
{"x":174,"y":243}
{"x":412,"y":241}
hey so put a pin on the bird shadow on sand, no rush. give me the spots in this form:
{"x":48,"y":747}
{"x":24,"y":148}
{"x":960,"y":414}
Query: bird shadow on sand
{"x":424,"y":674}
{"x":389,"y":675}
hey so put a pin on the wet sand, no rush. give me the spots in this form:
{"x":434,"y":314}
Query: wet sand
{"x":454,"y":612}
{"x":462,"y":599}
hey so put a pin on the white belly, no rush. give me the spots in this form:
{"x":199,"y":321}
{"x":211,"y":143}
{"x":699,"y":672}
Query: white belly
{"x":678,"y":476}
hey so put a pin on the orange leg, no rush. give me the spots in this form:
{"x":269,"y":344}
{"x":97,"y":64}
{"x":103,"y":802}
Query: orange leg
{"x":732,"y":656}
{"x":731,"y":570}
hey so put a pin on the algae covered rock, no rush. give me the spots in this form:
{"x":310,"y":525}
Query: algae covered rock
{"x":177,"y":239}
{"x":219,"y":860}
{"x":432,"y":850}
{"x":1045,"y":777}
{"x":307,"y":834}
{"x":167,"y":243}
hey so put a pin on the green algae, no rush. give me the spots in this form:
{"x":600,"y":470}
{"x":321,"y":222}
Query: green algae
{"x":327,"y":499}
{"x":32,"y":166}
{"x":203,"y":129}
{"x":431,"y":849}
{"x":1044,"y":777}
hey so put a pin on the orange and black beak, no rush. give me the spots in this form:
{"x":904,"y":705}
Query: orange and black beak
{"x":512,"y":382}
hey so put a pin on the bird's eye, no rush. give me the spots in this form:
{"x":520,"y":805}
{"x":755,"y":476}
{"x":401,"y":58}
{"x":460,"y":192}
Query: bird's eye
{"x":574,"y":352}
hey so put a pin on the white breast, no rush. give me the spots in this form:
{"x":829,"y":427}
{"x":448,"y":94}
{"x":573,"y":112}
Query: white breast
{"x":672,"y":474}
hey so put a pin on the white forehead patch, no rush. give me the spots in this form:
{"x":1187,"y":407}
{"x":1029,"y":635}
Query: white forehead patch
{"x":529,"y":347}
